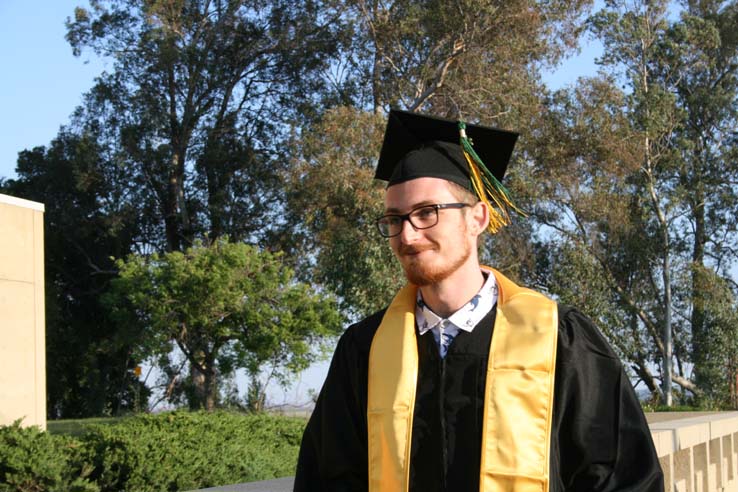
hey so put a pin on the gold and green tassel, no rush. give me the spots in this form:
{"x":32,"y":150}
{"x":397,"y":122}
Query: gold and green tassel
{"x":487,"y":187}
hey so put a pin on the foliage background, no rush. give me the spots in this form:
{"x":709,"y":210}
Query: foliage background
{"x":261,"y":123}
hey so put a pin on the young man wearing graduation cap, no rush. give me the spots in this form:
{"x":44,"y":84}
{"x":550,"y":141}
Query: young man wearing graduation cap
{"x":468,"y":382}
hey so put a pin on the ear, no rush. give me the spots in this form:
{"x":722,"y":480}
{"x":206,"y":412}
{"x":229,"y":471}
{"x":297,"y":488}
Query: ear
{"x":478,"y":218}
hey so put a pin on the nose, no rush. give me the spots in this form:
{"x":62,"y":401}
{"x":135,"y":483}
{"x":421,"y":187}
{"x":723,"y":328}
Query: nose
{"x":408,"y":233}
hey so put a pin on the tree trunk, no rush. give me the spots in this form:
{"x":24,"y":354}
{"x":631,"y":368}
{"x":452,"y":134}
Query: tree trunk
{"x":170,"y":215}
{"x":668,"y":345}
{"x":204,"y":382}
{"x":210,"y":387}
{"x":697,"y":321}
{"x":644,"y":373}
{"x":197,"y":398}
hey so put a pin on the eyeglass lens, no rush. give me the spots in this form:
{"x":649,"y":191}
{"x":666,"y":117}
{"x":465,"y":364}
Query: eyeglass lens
{"x":422,"y":218}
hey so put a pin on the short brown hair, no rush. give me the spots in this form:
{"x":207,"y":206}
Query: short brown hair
{"x":462,"y":194}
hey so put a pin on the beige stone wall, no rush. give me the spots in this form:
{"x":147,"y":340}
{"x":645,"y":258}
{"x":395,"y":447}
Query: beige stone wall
{"x":699,"y":453}
{"x":22,"y":319}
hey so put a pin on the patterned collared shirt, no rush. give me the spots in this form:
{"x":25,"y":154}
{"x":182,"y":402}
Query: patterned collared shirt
{"x":465,"y":318}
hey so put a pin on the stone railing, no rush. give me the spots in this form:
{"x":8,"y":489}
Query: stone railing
{"x":698,"y":453}
{"x":278,"y":485}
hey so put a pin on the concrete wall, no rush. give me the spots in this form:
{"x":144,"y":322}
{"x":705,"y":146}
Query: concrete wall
{"x":698,"y":453}
{"x":22,"y":320}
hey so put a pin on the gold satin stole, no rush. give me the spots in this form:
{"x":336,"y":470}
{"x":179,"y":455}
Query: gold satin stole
{"x":518,"y":406}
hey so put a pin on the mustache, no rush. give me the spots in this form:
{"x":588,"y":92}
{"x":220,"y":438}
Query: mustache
{"x":406,"y":249}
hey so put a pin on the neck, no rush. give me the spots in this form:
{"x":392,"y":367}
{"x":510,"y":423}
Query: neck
{"x":449,"y":295}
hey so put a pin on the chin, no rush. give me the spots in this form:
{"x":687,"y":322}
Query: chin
{"x":422,"y":275}
{"x":429,"y":271}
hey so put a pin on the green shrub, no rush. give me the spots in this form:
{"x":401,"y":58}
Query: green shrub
{"x":166,"y":452}
{"x":184,"y":451}
{"x":35,"y":461}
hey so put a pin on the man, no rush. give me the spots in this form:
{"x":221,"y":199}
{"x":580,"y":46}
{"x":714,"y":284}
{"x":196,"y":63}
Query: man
{"x":467,"y":382}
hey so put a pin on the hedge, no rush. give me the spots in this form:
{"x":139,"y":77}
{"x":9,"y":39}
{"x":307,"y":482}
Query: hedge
{"x":35,"y":461}
{"x":149,"y":453}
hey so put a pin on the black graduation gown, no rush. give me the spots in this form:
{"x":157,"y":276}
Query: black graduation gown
{"x":600,"y":440}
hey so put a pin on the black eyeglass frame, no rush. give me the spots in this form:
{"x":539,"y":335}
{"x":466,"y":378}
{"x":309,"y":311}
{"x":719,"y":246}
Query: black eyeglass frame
{"x":403,"y":217}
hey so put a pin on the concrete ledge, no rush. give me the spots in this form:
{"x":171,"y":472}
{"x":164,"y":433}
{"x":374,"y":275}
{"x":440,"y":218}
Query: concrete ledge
{"x":277,"y":485}
{"x":698,"y":452}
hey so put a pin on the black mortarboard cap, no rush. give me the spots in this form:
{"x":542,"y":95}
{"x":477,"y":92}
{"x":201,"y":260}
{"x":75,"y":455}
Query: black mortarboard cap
{"x":473,"y":156}
{"x":417,"y":146}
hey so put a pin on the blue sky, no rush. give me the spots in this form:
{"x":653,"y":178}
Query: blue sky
{"x":43,"y":82}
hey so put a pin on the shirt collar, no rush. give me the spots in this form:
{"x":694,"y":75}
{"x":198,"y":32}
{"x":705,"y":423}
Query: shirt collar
{"x":465,"y":318}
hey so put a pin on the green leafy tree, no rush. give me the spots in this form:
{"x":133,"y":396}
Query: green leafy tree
{"x":198,"y":93}
{"x":89,"y":369}
{"x":715,"y":370}
{"x":584,"y":189}
{"x":176,"y":141}
{"x":702,"y":55}
{"x":224,"y":306}
{"x":633,"y":179}
{"x":479,"y":59}
{"x":331,"y":190}
{"x":633,"y":35}
{"x":683,"y":106}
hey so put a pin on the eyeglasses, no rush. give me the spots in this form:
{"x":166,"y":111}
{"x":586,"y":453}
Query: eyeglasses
{"x":423,"y":217}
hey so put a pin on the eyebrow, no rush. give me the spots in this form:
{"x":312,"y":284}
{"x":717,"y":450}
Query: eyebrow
{"x":424,"y":203}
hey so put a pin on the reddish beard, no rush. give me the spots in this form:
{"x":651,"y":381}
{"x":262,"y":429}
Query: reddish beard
{"x":422,"y":273}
